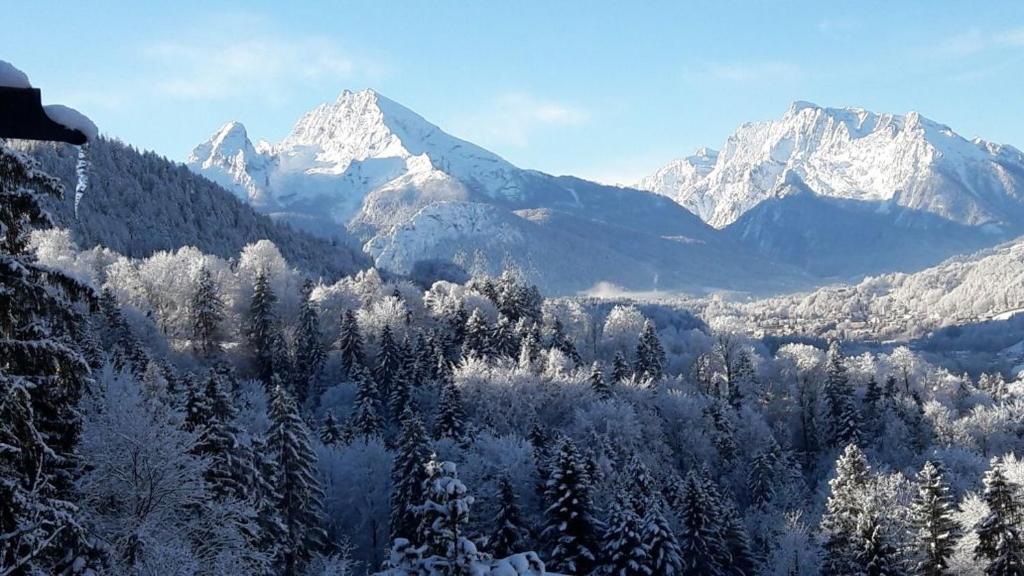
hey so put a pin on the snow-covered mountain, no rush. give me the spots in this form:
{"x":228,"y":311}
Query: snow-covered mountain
{"x":853,"y":154}
{"x":417,"y":196}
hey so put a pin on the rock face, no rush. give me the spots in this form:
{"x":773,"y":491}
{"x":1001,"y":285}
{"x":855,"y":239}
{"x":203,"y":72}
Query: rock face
{"x":852,"y":154}
{"x":418,"y":197}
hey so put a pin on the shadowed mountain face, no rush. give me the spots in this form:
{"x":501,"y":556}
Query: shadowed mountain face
{"x":847,"y":239}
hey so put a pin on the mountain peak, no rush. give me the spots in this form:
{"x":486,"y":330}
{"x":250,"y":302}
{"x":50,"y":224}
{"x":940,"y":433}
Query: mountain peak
{"x":851,"y":153}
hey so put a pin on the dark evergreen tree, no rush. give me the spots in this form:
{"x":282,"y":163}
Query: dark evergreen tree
{"x":367,"y":419}
{"x":700,"y":536}
{"x":561,"y":342}
{"x":936,"y":531}
{"x":330,"y":432}
{"x":310,"y":355}
{"x":664,"y":557}
{"x":476,"y":341}
{"x":206,"y":311}
{"x":570,"y":525}
{"x":504,"y":339}
{"x":450,"y":422}
{"x":218,"y":442}
{"x":723,"y":433}
{"x":301,"y":497}
{"x":597,"y":383}
{"x":388,"y":362}
{"x":839,"y":524}
{"x":650,"y":356}
{"x":401,"y":389}
{"x":739,"y":559}
{"x":841,"y":413}
{"x":408,"y":472}
{"x":620,"y":369}
{"x":510,"y":530}
{"x":262,"y":330}
{"x":350,"y":343}
{"x":457,"y":329}
{"x":197,"y":404}
{"x":1000,"y":543}
{"x":742,"y":376}
{"x":876,"y":556}
{"x":623,"y":544}
{"x":761,"y":479}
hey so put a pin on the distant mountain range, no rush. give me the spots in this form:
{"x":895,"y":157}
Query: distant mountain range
{"x":820,"y":195}
{"x":418,"y":197}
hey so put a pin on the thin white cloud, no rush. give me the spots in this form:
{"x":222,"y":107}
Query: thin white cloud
{"x":975,"y":41}
{"x":838,"y":27}
{"x":512,"y":119}
{"x":212,"y":65}
{"x":743,"y":72}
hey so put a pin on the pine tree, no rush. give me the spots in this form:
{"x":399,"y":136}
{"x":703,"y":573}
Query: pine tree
{"x":408,"y":472}
{"x":845,"y":504}
{"x":598,"y":384}
{"x":207,"y":313}
{"x":401,"y":389}
{"x":218,"y":442}
{"x":510,"y":530}
{"x":723,"y":432}
{"x":840,"y":409}
{"x":504,"y":339}
{"x":620,"y":369}
{"x":330,"y":432}
{"x":742,"y":376}
{"x":301,"y":497}
{"x":197,"y":405}
{"x":560,"y":341}
{"x":999,"y":539}
{"x":310,"y":355}
{"x":936,"y":531}
{"x":350,"y":343}
{"x":387,"y":363}
{"x":664,"y":557}
{"x":262,"y":327}
{"x":876,"y":556}
{"x":446,"y":508}
{"x":761,"y":479}
{"x":476,"y":342}
{"x":737,"y":558}
{"x":623,"y":543}
{"x":367,"y":419}
{"x":650,"y":356}
{"x":450,"y":422}
{"x":570,"y":525}
{"x":700,"y":537}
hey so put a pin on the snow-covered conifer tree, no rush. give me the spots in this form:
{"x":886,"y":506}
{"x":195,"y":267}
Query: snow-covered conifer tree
{"x":297,"y":483}
{"x":936,"y":530}
{"x":350,"y":343}
{"x":598,"y":383}
{"x":510,"y":530}
{"x":623,"y":544}
{"x":262,"y":327}
{"x":450,"y":421}
{"x":408,"y":472}
{"x":309,"y":349}
{"x":839,"y":524}
{"x":841,"y":412}
{"x":1000,"y":543}
{"x":650,"y":356}
{"x":206,"y":310}
{"x":570,"y":524}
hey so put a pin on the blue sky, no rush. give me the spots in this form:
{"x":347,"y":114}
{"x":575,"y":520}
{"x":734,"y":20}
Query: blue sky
{"x":601,"y":89}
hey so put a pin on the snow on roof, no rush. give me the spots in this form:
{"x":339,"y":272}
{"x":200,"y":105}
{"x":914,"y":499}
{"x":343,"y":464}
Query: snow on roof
{"x":73,"y":119}
{"x":11,"y":77}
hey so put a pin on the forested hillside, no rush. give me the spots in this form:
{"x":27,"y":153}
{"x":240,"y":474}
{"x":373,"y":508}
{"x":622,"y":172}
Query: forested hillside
{"x":140,"y":202}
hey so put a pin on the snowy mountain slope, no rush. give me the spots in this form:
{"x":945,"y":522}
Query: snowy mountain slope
{"x":414,"y":194}
{"x":848,"y":239}
{"x":566,"y":253}
{"x":681,"y":174}
{"x":854,"y":154}
{"x":139,"y":203}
